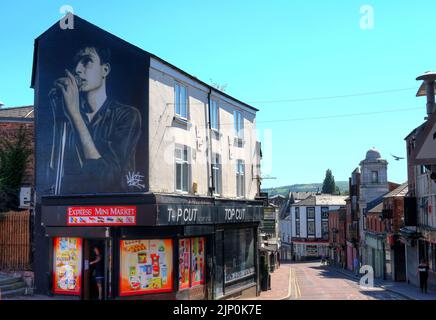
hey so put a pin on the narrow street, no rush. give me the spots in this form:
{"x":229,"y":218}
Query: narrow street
{"x":313,"y":281}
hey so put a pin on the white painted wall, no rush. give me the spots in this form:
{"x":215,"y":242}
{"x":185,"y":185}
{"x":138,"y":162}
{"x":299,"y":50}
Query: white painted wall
{"x":164,"y":136}
{"x":303,"y":221}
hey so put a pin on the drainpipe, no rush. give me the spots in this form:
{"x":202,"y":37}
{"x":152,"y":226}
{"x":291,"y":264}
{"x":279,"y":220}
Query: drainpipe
{"x":210,"y":179}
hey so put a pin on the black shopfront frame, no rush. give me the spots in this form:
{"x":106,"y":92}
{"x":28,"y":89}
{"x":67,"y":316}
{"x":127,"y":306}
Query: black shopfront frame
{"x":52,"y":215}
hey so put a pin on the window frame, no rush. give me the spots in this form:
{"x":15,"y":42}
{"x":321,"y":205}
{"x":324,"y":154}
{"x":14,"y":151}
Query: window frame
{"x":311,"y":220}
{"x":177,"y":103}
{"x":181,"y":161}
{"x":240,"y":178}
{"x":214,"y":115}
{"x":217,"y":172}
{"x":297,"y":222}
{"x":377,"y":178}
{"x":324,"y":221}
{"x":238,"y":124}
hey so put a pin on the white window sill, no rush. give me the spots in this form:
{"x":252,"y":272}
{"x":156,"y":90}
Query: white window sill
{"x":182,"y":192}
{"x":182,"y":121}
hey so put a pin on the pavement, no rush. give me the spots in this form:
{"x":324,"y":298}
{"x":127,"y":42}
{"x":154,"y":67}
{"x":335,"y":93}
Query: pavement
{"x":408,"y":291}
{"x":313,"y":281}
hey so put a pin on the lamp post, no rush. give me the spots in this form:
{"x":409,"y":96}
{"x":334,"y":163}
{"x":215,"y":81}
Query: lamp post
{"x":428,"y":89}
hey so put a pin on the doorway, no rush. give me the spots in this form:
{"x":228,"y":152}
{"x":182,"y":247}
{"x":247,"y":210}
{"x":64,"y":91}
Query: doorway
{"x":97,"y":272}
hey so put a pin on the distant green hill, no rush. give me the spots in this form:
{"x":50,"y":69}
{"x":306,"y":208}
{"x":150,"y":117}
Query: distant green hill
{"x":309,"y":187}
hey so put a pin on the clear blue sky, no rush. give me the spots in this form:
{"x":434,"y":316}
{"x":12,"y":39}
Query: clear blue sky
{"x":268,"y":51}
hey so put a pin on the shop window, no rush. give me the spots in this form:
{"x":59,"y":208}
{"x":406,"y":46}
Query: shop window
{"x":238,"y":255}
{"x":146,"y":266}
{"x":433,"y":257}
{"x":197,"y":258}
{"x":67,"y":269}
{"x":183,"y":168}
{"x":184,"y":263}
{"x":191,"y":262}
{"x":181,"y":100}
{"x":219,"y":264}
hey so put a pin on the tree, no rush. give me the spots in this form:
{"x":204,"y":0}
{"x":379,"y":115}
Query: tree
{"x":329,"y":185}
{"x":14,"y":156}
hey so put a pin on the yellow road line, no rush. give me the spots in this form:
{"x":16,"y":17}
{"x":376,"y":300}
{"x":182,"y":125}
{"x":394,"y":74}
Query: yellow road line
{"x":290,"y":283}
{"x":298,"y":287}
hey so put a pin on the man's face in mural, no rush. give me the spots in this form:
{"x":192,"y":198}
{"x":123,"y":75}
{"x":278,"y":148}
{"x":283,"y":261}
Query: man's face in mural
{"x":90,"y":69}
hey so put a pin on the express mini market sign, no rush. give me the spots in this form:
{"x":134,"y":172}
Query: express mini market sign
{"x":101,"y":216}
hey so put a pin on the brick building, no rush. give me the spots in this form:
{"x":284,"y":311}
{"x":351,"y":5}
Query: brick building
{"x":11,"y":120}
{"x":337,"y":239}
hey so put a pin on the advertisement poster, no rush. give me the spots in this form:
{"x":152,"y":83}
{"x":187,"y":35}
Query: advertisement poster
{"x":146,"y":266}
{"x":91,"y":103}
{"x":184,"y":263}
{"x":101,"y":216}
{"x":67,"y":269}
{"x":197,"y":256}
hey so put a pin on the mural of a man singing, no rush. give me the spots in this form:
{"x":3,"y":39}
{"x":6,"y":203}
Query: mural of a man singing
{"x":95,"y":136}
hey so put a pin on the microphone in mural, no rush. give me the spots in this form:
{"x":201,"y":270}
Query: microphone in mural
{"x":94,"y":136}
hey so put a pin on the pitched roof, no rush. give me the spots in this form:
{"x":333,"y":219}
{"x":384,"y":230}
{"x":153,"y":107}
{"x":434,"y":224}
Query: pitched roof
{"x":375,"y":202}
{"x":401,"y":191}
{"x":377,"y":209}
{"x":322,"y":200}
{"x":277,"y":196}
{"x":17,"y":112}
{"x":301,"y":195}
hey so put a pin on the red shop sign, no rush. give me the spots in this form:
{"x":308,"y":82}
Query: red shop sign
{"x":101,"y":216}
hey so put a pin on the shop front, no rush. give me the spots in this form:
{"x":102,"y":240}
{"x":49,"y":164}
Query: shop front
{"x":150,"y":251}
{"x":376,"y":254}
{"x":311,"y":250}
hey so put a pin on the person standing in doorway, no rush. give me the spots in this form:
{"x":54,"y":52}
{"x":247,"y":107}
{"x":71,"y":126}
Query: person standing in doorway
{"x":423,"y":275}
{"x":98,"y":272}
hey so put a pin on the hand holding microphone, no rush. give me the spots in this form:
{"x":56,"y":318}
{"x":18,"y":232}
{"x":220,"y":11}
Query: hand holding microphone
{"x":69,"y":89}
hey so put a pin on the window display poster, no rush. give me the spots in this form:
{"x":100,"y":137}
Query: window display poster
{"x":146,"y":266}
{"x":67,"y":269}
{"x":184,"y":263}
{"x":197,"y":256}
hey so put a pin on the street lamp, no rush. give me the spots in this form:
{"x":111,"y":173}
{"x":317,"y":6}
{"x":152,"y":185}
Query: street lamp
{"x":428,"y":89}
